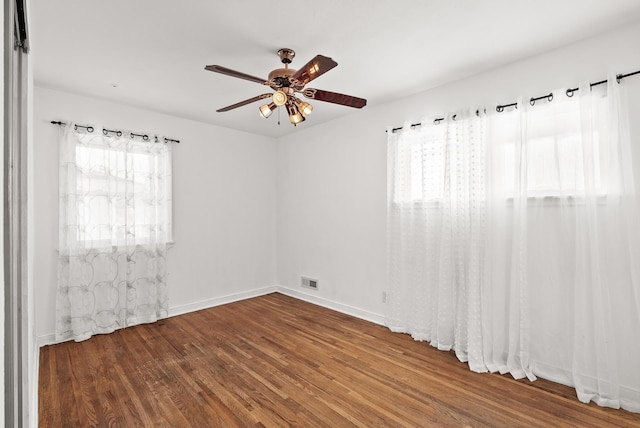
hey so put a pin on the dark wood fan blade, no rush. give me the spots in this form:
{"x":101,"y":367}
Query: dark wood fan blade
{"x":233,"y":73}
{"x":314,"y":68}
{"x":245,"y":102}
{"x":333,"y":97}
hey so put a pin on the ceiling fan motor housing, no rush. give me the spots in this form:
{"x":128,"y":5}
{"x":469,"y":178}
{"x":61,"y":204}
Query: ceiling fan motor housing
{"x":286,"y":55}
{"x":280,"y":78}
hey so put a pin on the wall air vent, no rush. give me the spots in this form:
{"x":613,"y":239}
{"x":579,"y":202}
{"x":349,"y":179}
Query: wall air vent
{"x":309,"y":283}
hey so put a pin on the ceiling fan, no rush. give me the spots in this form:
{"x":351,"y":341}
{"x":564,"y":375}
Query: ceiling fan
{"x":287,"y":82}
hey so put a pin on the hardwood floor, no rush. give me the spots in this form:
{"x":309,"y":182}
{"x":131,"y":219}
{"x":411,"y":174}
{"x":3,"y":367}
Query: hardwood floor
{"x":276,"y":361}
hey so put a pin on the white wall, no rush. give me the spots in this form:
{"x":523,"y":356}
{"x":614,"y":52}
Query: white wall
{"x":223,"y":197}
{"x":332,"y":177}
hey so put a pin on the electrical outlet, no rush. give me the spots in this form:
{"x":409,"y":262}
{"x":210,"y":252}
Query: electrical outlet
{"x":309,"y":283}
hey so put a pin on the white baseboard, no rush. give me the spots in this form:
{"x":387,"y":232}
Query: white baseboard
{"x":329,"y":304}
{"x":50,"y":339}
{"x":46,"y":339}
{"x":217,"y":301}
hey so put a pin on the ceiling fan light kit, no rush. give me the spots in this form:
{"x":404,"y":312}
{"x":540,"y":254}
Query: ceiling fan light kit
{"x":286,"y":82}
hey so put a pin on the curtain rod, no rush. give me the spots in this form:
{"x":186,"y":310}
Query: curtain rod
{"x":500,"y":108}
{"x":118,"y":133}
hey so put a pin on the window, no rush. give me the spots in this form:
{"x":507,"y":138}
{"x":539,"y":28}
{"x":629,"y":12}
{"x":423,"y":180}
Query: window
{"x":421,"y":166}
{"x":557,"y":151}
{"x":122,"y":192}
{"x":432,"y":162}
{"x":544,"y":151}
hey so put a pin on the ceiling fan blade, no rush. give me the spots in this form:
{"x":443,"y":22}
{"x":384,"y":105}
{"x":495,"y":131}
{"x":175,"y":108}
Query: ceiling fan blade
{"x":233,"y":73}
{"x":314,"y":68}
{"x":334,"y":97}
{"x":245,"y":102}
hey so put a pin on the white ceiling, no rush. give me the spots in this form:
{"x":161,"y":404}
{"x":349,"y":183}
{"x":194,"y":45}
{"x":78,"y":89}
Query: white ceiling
{"x":152,"y":53}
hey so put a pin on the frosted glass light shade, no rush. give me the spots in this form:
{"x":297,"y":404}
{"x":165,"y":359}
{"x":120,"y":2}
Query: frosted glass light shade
{"x":267,"y":109}
{"x":305,"y":108}
{"x":296,"y":118}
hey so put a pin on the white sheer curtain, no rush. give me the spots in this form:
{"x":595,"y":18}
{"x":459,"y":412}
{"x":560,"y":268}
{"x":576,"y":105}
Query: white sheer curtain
{"x":115,"y":224}
{"x":436,"y":215}
{"x":513,"y":240}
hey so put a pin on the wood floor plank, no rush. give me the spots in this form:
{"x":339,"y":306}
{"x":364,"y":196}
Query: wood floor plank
{"x":274,"y":361}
